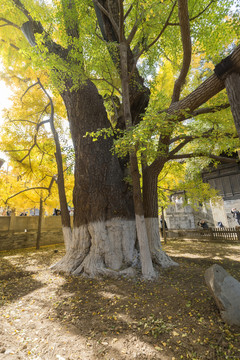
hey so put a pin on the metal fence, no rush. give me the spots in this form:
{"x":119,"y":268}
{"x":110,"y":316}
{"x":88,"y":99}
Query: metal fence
{"x":212,"y":234}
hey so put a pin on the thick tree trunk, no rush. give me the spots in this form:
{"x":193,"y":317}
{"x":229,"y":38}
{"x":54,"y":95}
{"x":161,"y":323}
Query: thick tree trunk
{"x":150,"y":201}
{"x":104,"y":234}
{"x":232,"y":84}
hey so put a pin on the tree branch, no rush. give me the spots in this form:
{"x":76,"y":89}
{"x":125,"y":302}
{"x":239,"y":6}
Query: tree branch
{"x":50,"y":187}
{"x":35,"y":188}
{"x":109,"y":16}
{"x":145,"y":49}
{"x":18,"y":150}
{"x":25,"y":92}
{"x":15,"y":76}
{"x":203,"y":11}
{"x":134,"y":30}
{"x":121,"y":21}
{"x":22,"y":191}
{"x":187,"y":48}
{"x":9,"y":23}
{"x":28,"y":152}
{"x":210,"y":110}
{"x":12,"y":45}
{"x":108,"y":82}
{"x":42,"y":123}
{"x":215,"y":157}
{"x":38,"y":125}
{"x":196,"y":16}
{"x":128,"y":11}
{"x":70,"y":26}
{"x":178,"y":110}
{"x":22,"y":8}
{"x":22,"y":120}
{"x":200,"y":111}
{"x":161,"y":32}
{"x":209,"y":88}
{"x":186,"y":139}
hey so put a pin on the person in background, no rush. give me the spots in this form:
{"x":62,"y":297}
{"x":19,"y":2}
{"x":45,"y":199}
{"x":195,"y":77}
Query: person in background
{"x":23,"y":213}
{"x":236,"y":215}
{"x":220,"y":225}
{"x":203,"y":224}
{"x":56,"y":212}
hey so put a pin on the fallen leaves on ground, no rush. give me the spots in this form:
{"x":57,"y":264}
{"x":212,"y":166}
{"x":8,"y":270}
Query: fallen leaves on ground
{"x":45,"y":315}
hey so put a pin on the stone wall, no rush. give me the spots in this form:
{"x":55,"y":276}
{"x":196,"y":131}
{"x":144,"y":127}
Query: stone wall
{"x":18,"y":232}
{"x":222,"y":212}
{"x":185,"y":217}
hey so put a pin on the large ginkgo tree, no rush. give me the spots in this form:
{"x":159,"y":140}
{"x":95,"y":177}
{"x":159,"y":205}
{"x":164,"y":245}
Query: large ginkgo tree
{"x":104,"y":57}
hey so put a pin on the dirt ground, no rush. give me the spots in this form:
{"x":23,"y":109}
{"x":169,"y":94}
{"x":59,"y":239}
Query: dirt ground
{"x":46,"y":316}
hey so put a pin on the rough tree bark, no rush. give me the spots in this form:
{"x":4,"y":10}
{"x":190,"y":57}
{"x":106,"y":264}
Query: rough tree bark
{"x":103,"y":237}
{"x":232,"y":84}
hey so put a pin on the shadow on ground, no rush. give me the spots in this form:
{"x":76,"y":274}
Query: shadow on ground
{"x":175,"y":313}
{"x":15,"y":282}
{"x":171,"y":318}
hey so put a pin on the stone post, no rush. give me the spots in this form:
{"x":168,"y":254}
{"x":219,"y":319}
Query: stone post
{"x":12,"y":224}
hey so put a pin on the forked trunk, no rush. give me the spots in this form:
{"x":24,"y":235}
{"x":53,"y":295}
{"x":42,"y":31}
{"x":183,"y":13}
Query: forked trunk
{"x":104,"y":235}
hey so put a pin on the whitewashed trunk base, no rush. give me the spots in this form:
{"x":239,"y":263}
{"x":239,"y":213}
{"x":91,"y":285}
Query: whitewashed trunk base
{"x":67,"y":236}
{"x":145,"y":256}
{"x":77,"y":249}
{"x":100,"y":248}
{"x":158,"y":255}
{"x":108,"y":249}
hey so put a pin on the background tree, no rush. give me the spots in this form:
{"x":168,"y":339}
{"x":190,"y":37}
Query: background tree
{"x":27,"y":140}
{"x":38,"y":116}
